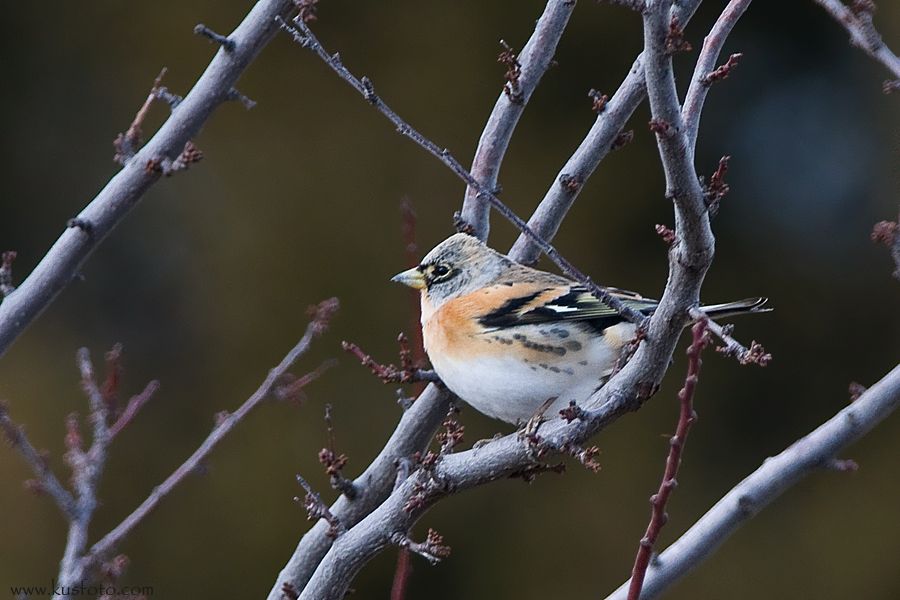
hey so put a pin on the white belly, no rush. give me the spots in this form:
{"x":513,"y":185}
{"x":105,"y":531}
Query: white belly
{"x":511,"y":382}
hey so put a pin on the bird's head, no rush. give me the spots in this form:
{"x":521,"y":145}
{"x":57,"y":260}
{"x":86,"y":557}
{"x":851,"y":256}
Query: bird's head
{"x":456,"y":266}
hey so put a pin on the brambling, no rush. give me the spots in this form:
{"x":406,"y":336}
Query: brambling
{"x":507,"y":338}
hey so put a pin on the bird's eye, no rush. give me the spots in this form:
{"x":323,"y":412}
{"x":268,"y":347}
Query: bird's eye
{"x":440,"y":271}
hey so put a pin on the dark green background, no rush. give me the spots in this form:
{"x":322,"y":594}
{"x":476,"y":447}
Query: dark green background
{"x":206,"y":283}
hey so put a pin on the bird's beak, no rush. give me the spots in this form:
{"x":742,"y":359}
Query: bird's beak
{"x":413,"y":278}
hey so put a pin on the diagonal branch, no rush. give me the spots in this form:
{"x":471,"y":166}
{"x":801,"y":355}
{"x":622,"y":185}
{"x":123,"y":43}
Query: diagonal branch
{"x":46,"y":480}
{"x":414,"y":431}
{"x":703,"y":76}
{"x":626,"y":391}
{"x":534,"y":61}
{"x":125,"y":189}
{"x":686,"y":417}
{"x":602,"y":138}
{"x":79,"y":565}
{"x":776,"y":475}
{"x":858,"y":23}
{"x":305,"y":38}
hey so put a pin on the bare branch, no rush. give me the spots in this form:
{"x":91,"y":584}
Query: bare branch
{"x":323,"y":569}
{"x":705,"y":72}
{"x":432,"y":549}
{"x":686,"y":418}
{"x":46,"y":481}
{"x":532,"y":63}
{"x":333,"y":462}
{"x":126,"y":188}
{"x":776,"y":475}
{"x":135,"y":404}
{"x":317,"y":509}
{"x":228,"y":44}
{"x":754,"y":355}
{"x":888,"y":233}
{"x":321,"y":316}
{"x":858,"y":23}
{"x":412,"y":434}
{"x":127,"y":144}
{"x":407,"y":372}
{"x":604,"y":136}
{"x":305,"y":38}
{"x":6,"y":276}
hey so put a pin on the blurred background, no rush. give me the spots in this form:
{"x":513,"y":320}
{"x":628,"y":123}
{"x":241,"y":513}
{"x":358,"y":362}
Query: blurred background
{"x":207,"y":281}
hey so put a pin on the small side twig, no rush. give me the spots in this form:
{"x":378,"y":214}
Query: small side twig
{"x":531,"y":63}
{"x":598,"y":100}
{"x":389,"y":373}
{"x":705,"y":71}
{"x":46,"y":481}
{"x":509,"y":59}
{"x":217,"y":38}
{"x":754,"y":355}
{"x":432,"y":549}
{"x":6,"y":274}
{"x":857,"y":20}
{"x":127,"y":144}
{"x":723,"y":71}
{"x":686,"y":418}
{"x":236,"y":96}
{"x":317,"y":509}
{"x":135,"y":404}
{"x":321,"y":315}
{"x":334,"y":463}
{"x":302,"y":34}
{"x":888,"y":233}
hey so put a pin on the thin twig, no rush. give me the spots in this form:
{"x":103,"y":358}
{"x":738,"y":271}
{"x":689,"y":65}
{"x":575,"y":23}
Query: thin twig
{"x":317,"y":509}
{"x":705,"y":71}
{"x":127,"y":144}
{"x":333,"y":462}
{"x":217,"y":38}
{"x":316,"y":565}
{"x":686,"y":418}
{"x":754,"y":355}
{"x":6,"y":275}
{"x":862,"y":32}
{"x":604,"y":136}
{"x":305,"y":38}
{"x":776,"y":475}
{"x":321,"y":316}
{"x":123,"y":192}
{"x":626,"y":391}
{"x":888,"y":233}
{"x":46,"y":479}
{"x":135,"y":404}
{"x":534,"y":60}
{"x":389,"y":373}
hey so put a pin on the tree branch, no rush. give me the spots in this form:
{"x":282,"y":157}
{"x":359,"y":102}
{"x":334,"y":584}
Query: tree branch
{"x":46,"y":481}
{"x":686,"y":418}
{"x":125,"y":189}
{"x":599,"y":141}
{"x":768,"y":482}
{"x":333,"y":568}
{"x":533,"y":61}
{"x":858,"y":23}
{"x":76,"y":565}
{"x":414,"y":431}
{"x":705,"y":72}
{"x":305,"y":38}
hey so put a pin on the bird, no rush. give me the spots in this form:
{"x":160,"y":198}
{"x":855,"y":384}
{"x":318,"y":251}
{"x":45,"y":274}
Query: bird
{"x":511,"y":340}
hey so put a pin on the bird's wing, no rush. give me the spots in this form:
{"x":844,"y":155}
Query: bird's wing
{"x":535,"y":305}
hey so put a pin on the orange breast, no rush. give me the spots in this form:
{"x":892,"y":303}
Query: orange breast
{"x":453,"y":327}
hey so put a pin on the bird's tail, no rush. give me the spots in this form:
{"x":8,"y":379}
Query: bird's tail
{"x":738,"y":307}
